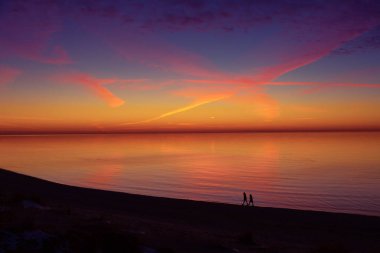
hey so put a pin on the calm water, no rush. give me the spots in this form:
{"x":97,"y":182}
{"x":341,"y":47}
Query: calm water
{"x":337,"y":172}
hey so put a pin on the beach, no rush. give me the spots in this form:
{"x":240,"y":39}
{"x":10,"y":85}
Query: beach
{"x":154,"y":224}
{"x":197,"y":126}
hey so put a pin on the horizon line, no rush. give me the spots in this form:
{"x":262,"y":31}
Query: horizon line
{"x":205,"y":131}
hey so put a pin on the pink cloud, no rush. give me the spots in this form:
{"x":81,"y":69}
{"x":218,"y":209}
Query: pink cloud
{"x":294,"y":58}
{"x":312,"y":38}
{"x":96,"y":86}
{"x":304,"y":55}
{"x":288,"y":62}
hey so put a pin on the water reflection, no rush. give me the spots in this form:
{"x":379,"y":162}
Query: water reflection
{"x":320,"y":171}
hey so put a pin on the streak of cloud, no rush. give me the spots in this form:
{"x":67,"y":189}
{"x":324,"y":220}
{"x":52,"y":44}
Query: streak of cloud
{"x":96,"y":86}
{"x":329,"y":33}
{"x":148,"y":35}
{"x":182,"y":109}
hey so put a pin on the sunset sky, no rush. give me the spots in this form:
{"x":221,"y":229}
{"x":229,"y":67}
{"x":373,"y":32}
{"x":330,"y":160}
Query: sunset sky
{"x":119,"y":66}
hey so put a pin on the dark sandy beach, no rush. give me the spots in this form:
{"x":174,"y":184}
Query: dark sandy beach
{"x":153,"y":224}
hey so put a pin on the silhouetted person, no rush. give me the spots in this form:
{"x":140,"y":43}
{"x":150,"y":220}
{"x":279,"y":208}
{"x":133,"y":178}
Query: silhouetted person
{"x":245,"y":199}
{"x":250,"y":200}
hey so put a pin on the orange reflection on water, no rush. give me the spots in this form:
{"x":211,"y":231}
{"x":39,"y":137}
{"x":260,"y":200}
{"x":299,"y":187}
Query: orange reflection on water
{"x":319,"y":171}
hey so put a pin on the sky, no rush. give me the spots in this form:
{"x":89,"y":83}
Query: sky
{"x":215,"y":65}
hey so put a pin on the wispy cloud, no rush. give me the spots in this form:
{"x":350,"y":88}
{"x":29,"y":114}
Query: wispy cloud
{"x":95,"y":85}
{"x":191,"y":106}
{"x":136,"y":33}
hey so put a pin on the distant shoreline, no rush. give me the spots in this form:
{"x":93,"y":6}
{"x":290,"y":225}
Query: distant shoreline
{"x":167,"y":220}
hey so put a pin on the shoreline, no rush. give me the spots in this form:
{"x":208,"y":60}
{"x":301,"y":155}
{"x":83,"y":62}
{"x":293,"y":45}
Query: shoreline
{"x":157,"y":197}
{"x":59,"y":190}
{"x":291,"y":230}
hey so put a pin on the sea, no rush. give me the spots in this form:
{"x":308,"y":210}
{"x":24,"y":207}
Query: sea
{"x":324,"y":171}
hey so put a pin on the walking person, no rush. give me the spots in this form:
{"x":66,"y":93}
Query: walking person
{"x":250,"y":200}
{"x":245,"y":201}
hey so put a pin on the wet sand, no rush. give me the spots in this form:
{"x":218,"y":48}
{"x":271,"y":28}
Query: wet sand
{"x":173,"y":225}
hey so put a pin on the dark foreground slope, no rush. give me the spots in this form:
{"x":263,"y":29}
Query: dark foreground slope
{"x":152,"y":224}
